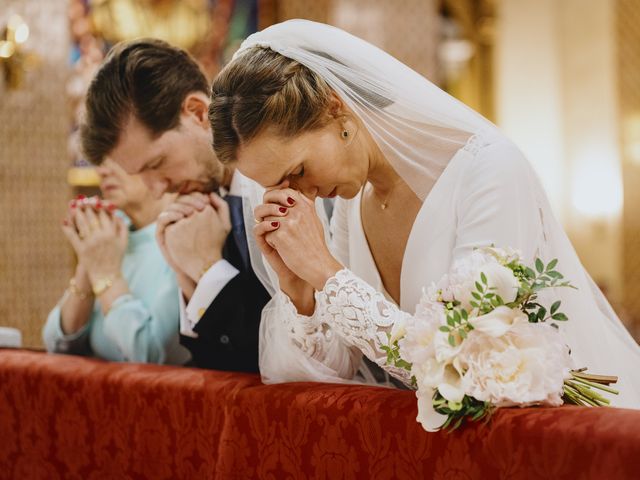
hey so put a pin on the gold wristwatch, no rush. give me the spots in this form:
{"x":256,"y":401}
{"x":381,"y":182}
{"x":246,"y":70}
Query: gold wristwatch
{"x":101,"y":285}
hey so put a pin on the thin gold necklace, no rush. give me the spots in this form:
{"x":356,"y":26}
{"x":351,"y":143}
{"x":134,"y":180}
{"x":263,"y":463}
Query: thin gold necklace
{"x":385,"y":203}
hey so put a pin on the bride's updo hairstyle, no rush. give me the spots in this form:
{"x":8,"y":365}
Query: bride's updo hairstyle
{"x":263,"y":89}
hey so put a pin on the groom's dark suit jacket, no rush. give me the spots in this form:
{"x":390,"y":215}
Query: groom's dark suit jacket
{"x":228,"y":330}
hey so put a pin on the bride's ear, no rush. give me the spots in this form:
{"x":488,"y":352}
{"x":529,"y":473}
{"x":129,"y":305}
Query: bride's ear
{"x":343,"y":117}
{"x":336,"y":107}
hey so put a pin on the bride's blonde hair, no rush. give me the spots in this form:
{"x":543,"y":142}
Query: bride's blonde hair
{"x":262,"y":89}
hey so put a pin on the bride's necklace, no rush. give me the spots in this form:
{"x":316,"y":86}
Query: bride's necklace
{"x":385,"y":203}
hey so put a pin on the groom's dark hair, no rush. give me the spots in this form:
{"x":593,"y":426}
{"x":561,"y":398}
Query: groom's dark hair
{"x":147,"y":78}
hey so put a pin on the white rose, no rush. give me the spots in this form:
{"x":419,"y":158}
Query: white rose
{"x":525,"y":366}
{"x":461,"y":283}
{"x":499,"y":321}
{"x":502,"y":280}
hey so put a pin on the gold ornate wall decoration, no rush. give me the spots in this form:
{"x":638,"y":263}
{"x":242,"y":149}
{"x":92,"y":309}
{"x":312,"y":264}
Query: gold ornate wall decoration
{"x":15,"y":59}
{"x":466,"y":52}
{"x":183,"y":23}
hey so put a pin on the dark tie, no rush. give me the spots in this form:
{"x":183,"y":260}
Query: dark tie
{"x":237,"y":227}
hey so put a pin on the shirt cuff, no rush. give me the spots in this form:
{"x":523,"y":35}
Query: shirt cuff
{"x":208,"y":288}
{"x":185,"y":327}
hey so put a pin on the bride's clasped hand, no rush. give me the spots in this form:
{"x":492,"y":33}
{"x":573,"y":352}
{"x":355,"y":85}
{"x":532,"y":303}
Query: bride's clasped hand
{"x":291,"y":236}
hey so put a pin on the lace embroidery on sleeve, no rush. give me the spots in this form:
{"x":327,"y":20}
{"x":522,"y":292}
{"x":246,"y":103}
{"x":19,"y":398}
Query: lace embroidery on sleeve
{"x":362,"y":317}
{"x":308,"y":333}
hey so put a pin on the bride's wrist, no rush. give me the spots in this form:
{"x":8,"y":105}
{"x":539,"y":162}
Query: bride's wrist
{"x":302,"y":296}
{"x":324,"y":273}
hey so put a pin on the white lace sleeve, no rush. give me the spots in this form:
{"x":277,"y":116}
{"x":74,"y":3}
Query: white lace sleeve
{"x":299,"y":348}
{"x":361,"y":317}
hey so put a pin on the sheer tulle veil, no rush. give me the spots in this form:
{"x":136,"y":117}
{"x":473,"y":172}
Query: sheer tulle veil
{"x":419,"y":128}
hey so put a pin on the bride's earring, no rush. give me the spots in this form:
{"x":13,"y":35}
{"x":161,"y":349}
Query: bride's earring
{"x":347,"y":136}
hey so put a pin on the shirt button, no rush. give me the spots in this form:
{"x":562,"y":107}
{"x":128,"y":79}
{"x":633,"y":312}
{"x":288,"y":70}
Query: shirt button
{"x":224,"y":339}
{"x":201,"y":313}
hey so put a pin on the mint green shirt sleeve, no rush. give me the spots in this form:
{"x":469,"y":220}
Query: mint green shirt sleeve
{"x":144,"y":333}
{"x":56,"y":341}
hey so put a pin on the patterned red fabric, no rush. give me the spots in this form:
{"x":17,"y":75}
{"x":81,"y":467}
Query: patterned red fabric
{"x":64,"y":417}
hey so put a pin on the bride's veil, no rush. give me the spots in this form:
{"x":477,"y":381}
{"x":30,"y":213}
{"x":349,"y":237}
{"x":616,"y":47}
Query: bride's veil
{"x":419,"y":128}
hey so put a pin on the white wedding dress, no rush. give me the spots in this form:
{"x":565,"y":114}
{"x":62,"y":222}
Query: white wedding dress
{"x":485,"y":193}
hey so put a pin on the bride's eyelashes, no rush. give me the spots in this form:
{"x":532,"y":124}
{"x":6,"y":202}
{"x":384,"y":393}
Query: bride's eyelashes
{"x":299,"y":173}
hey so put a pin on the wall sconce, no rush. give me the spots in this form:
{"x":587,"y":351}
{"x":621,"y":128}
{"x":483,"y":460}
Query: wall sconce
{"x":14,"y":60}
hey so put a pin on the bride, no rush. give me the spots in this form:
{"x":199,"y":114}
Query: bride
{"x":308,"y":111}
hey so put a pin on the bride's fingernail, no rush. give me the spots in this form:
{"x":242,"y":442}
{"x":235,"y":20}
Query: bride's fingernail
{"x":283,"y":209}
{"x":275,"y":224}
{"x":290,"y":201}
{"x":81,"y":197}
{"x":73,"y":204}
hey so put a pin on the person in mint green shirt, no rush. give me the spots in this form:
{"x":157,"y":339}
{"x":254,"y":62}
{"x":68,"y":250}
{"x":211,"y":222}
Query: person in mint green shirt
{"x":122,"y":303}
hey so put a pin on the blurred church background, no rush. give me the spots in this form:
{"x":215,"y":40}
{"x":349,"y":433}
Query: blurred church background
{"x":560,"y":77}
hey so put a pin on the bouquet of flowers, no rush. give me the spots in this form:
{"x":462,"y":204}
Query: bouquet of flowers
{"x":481,"y":339}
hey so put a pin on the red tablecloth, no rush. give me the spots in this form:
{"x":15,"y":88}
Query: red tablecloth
{"x":64,"y":417}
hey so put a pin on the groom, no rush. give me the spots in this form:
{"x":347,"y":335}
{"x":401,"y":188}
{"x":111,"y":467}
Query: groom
{"x":147,"y":109}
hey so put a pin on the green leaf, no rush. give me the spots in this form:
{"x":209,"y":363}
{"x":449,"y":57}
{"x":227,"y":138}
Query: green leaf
{"x":463,"y":334}
{"x":476,"y":295}
{"x":444,"y":329}
{"x":530,"y":273}
{"x":555,"y":307}
{"x":483,"y":277}
{"x":452,"y":341}
{"x":474,"y":304}
{"x":456,"y":316}
{"x":450,"y":321}
{"x":552,"y":264}
{"x":479,"y":287}
{"x":542,"y":312}
{"x":539,"y":265}
{"x":561,"y":317}
{"x":464,"y":314}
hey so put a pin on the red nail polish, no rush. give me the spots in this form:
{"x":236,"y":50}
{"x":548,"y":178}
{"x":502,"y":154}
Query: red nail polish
{"x":283,"y":209}
{"x":111,"y":207}
{"x":290,"y":201}
{"x":98,"y":206}
{"x":275,"y":224}
{"x":81,"y":197}
{"x":73,"y":204}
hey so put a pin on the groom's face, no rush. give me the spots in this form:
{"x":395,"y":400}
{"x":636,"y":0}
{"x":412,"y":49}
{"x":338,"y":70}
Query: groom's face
{"x":179,"y":160}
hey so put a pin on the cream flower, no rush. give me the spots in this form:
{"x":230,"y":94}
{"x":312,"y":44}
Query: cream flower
{"x":499,"y":321}
{"x":461,"y":283}
{"x":430,"y":420}
{"x":525,"y":366}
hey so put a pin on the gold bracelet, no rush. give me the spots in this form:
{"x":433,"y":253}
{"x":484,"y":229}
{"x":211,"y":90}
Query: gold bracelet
{"x":73,"y":288}
{"x":103,"y":284}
